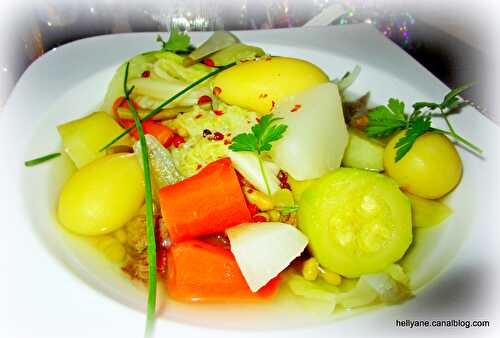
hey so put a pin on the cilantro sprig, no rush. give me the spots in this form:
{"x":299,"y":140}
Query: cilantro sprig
{"x":259,"y":140}
{"x":384,"y":121}
{"x":177,"y":41}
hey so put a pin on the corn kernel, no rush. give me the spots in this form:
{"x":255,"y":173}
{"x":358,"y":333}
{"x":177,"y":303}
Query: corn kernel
{"x":331,"y":277}
{"x":310,"y":269}
{"x":261,"y":200}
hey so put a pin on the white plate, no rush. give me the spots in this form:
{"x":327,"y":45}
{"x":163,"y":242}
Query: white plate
{"x":52,"y":291}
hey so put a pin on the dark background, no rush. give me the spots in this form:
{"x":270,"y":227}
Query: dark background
{"x":35,"y":27}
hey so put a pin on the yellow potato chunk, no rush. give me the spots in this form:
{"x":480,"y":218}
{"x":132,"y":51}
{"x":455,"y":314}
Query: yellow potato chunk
{"x":255,"y":85}
{"x":431,"y":169}
{"x":83,"y":138}
{"x":102,"y":196}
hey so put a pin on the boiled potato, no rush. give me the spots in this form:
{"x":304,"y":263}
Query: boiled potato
{"x":83,"y":138}
{"x":102,"y":196}
{"x":431,"y":169}
{"x":357,"y":221}
{"x":255,"y":85}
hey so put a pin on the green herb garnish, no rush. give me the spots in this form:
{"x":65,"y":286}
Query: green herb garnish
{"x":41,"y":159}
{"x":150,"y":227}
{"x":167,"y":101}
{"x":289,"y":210}
{"x":259,"y":140}
{"x":384,"y":121}
{"x":177,"y":41}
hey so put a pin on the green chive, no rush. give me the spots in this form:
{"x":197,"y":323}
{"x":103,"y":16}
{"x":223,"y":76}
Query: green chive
{"x":41,"y":159}
{"x":150,"y":229}
{"x":172,"y":98}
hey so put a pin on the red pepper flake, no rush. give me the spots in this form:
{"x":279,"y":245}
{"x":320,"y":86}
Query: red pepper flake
{"x":146,"y":73}
{"x":259,"y":219}
{"x":198,"y":167}
{"x":208,"y":62}
{"x":283,"y":178}
{"x":296,"y":107}
{"x":198,"y":116}
{"x":218,"y":136}
{"x":177,"y":140}
{"x":204,"y":99}
{"x":257,"y":120}
{"x":218,"y":112}
{"x":268,"y":58}
{"x":242,"y":180}
{"x":217,"y":91}
{"x":263,"y":96}
{"x":273,"y":104}
{"x":227,"y":142}
{"x":252,"y":208}
{"x":249,"y":191}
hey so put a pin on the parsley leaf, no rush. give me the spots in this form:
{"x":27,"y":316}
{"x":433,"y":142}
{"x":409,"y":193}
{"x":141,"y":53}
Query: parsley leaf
{"x":452,"y":97}
{"x":244,"y":142}
{"x":259,"y":140}
{"x":177,"y":41}
{"x":417,"y":127}
{"x":263,"y":133}
{"x":384,"y":121}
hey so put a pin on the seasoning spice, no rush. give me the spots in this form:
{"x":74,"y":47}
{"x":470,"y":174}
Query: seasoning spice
{"x":218,"y":136}
{"x":208,"y":62}
{"x":296,"y":107}
{"x":204,"y":99}
{"x":178,"y":140}
{"x":216,"y":91}
{"x":283,"y":178}
{"x":206,"y":132}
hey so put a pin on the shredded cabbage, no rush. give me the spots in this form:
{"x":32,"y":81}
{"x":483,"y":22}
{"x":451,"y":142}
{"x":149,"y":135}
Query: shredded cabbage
{"x":348,"y":79}
{"x":369,"y":289}
{"x":162,"y":65}
{"x":198,"y":151}
{"x":162,"y":164}
{"x":171,"y":65}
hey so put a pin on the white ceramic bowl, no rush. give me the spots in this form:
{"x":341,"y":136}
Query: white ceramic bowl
{"x":57,"y":287}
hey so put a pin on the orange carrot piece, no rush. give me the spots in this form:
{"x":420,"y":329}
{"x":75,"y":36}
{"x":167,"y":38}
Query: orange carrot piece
{"x":206,"y":203}
{"x":163,"y":134}
{"x":198,"y":271}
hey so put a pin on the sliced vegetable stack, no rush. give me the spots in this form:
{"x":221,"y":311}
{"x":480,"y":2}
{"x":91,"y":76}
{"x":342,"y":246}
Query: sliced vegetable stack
{"x":231,"y":172}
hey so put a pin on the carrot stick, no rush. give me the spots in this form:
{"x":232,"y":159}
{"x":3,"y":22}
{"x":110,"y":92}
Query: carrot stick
{"x":163,"y":134}
{"x":198,"y":271}
{"x":204,"y":204}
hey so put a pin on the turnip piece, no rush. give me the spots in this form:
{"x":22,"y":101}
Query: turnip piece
{"x":317,"y":135}
{"x":247,"y":164}
{"x":263,"y":250}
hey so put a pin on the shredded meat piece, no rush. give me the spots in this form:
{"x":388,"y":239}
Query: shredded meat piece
{"x":136,"y":267}
{"x":136,"y":234}
{"x":355,"y":112}
{"x":289,"y":219}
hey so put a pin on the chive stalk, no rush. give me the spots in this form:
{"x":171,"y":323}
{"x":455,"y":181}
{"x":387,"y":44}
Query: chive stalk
{"x":150,"y":229}
{"x":167,"y":101}
{"x":41,"y":159}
